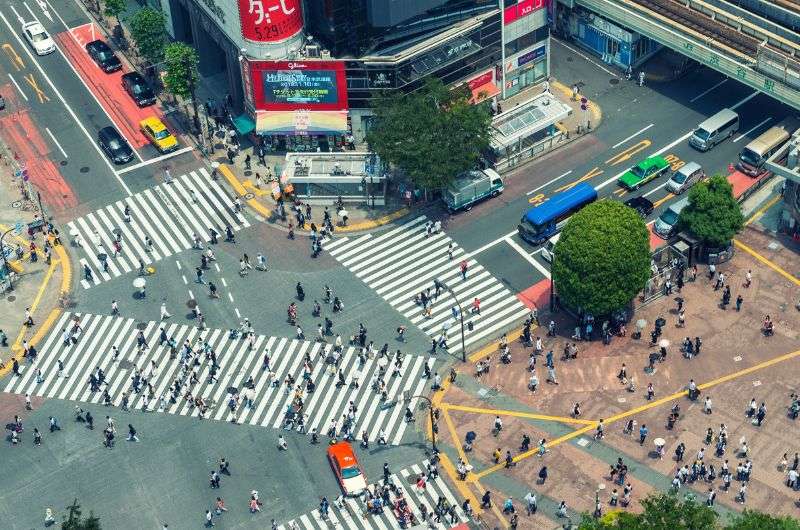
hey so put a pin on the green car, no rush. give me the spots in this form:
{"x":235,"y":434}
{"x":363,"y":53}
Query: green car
{"x":643,"y":172}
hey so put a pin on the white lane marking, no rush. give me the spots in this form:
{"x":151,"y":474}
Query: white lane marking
{"x":191,"y":294}
{"x":654,"y":190}
{"x":530,"y":259}
{"x":238,"y":315}
{"x":745,"y":100}
{"x":230,"y":296}
{"x":185,"y":281}
{"x":707,"y":91}
{"x":224,"y":283}
{"x":155,"y":160}
{"x":56,"y":142}
{"x":178,"y":264}
{"x":637,"y":133}
{"x":43,"y":7}
{"x":579,"y":54}
{"x":66,"y":105}
{"x":488,"y":245}
{"x":549,"y":182}
{"x":18,"y":87}
{"x":744,"y":134}
{"x":673,"y":144}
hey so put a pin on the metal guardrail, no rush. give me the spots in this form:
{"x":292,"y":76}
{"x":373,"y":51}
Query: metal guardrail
{"x":695,"y":49}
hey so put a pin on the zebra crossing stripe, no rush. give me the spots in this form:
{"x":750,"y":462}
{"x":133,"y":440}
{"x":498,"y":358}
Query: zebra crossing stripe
{"x":353,"y":516}
{"x":404,"y":261}
{"x":236,"y":362}
{"x":166,"y":214}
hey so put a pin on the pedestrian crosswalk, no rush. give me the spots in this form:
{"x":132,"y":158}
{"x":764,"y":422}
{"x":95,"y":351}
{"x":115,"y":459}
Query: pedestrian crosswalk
{"x":163,"y":221}
{"x":406,"y":260}
{"x":236,"y":362}
{"x":352,"y":514}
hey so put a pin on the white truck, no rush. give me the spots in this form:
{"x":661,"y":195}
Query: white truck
{"x":472,"y":187}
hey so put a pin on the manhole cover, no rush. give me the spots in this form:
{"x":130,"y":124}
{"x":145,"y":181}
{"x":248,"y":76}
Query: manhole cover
{"x":622,"y":399}
{"x":11,"y":298}
{"x":569,"y":59}
{"x":756,"y":383}
{"x":774,"y":245}
{"x":125,"y":364}
{"x":141,"y":326}
{"x":614,"y":81}
{"x":737,"y":358}
{"x":583,"y":442}
{"x":63,"y":163}
{"x":249,"y":196}
{"x":84,"y":169}
{"x":16,"y":204}
{"x":482,"y":392}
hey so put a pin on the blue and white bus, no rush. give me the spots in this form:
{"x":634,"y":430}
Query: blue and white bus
{"x":548,"y":218}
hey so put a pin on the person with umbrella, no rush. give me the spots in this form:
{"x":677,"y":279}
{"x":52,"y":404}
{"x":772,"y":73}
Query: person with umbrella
{"x":140,"y":284}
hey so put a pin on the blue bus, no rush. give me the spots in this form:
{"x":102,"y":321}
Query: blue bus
{"x":542,"y":221}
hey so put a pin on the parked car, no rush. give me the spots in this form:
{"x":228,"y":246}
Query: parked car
{"x":104,"y":56}
{"x":155,"y":131}
{"x":115,"y":146}
{"x":642,"y":205}
{"x":38,"y":38}
{"x":138,"y":89}
{"x":643,"y":172}
{"x":348,"y":471}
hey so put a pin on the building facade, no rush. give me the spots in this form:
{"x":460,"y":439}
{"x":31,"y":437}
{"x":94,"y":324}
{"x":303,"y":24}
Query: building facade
{"x":303,"y":73}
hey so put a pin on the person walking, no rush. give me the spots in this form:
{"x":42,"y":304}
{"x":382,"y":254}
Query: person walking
{"x":132,"y":434}
{"x":464,"y":266}
{"x":164,"y":313}
{"x":209,"y":519}
{"x":642,"y":434}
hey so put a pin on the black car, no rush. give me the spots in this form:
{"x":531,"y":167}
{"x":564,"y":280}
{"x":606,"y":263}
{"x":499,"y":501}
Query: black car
{"x":104,"y":56}
{"x":138,"y":89}
{"x":642,"y":206}
{"x":115,"y":145}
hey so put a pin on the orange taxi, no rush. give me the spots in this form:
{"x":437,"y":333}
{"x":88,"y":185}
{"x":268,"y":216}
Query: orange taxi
{"x":348,"y":471}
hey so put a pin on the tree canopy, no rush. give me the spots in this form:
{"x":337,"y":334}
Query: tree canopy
{"x":181,"y":62}
{"x":149,"y":32}
{"x":666,"y":511}
{"x":433,"y":134}
{"x":114,"y":8}
{"x":713,"y":216}
{"x":602,"y":259}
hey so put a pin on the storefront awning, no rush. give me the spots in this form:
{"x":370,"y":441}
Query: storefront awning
{"x":244,"y":124}
{"x":483,"y":92}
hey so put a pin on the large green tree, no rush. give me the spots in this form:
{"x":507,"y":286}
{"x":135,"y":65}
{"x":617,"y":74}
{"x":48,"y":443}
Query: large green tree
{"x":667,"y":511}
{"x":149,"y":32}
{"x":432,"y":134}
{"x":181,"y":62}
{"x":713,"y":216}
{"x":74,"y":519}
{"x":602,"y":259}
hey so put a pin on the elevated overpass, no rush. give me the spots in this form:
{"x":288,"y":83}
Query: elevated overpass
{"x":758,"y":51}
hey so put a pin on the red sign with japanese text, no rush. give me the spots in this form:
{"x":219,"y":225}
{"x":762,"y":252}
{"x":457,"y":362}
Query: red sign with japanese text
{"x":521,"y":9}
{"x":270,"y":20}
{"x":485,"y":78}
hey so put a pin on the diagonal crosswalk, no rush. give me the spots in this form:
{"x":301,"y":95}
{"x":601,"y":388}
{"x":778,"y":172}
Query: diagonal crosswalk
{"x":352,"y":514}
{"x":404,"y":261}
{"x":236,"y":363}
{"x":168,"y":215}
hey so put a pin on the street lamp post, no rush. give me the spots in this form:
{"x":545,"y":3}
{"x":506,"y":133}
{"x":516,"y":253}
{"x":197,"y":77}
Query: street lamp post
{"x":460,"y":314}
{"x":405,"y":398}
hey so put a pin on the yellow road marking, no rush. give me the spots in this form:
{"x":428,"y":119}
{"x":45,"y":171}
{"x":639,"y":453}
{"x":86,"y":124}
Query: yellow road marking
{"x":461,"y":486}
{"x":501,"y":519}
{"x":527,"y":454}
{"x":763,"y":210}
{"x":494,"y":346}
{"x":591,"y":174}
{"x":767,"y":262}
{"x":258,"y":192}
{"x":50,"y":270}
{"x":35,"y":86}
{"x":241,"y":190}
{"x":517,"y":414}
{"x":44,"y":328}
{"x":662,"y":201}
{"x":16,"y":60}
{"x":629,"y":152}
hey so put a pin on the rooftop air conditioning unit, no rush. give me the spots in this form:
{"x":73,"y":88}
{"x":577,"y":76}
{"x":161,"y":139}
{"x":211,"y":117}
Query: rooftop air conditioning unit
{"x":312,"y":51}
{"x":325,"y":54}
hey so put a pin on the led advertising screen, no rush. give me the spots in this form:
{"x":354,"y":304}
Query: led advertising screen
{"x":312,"y":85}
{"x":270,"y":20}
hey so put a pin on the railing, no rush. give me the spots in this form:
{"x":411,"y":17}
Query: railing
{"x":531,"y":152}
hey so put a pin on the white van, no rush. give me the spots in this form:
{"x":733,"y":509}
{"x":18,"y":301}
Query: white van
{"x":712,"y":131}
{"x":687,"y":176}
{"x":548,"y":251}
{"x":668,"y":221}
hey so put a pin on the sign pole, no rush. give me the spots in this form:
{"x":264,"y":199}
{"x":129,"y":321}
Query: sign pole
{"x":502,"y":48}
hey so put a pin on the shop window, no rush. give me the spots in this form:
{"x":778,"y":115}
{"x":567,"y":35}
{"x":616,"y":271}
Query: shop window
{"x":612,"y":46}
{"x":640,"y":48}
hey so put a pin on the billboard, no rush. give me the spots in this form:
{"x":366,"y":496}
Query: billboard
{"x":292,"y":85}
{"x":521,"y":9}
{"x":270,"y":20}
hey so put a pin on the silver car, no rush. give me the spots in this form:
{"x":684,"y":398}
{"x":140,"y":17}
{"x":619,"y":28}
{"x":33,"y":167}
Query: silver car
{"x":685,"y":177}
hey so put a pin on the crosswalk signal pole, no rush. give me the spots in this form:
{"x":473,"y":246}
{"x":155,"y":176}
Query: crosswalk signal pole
{"x":461,"y":314}
{"x":407,"y":398}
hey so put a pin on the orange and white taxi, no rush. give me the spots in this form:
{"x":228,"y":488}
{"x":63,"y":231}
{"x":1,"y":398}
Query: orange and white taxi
{"x":348,"y":471}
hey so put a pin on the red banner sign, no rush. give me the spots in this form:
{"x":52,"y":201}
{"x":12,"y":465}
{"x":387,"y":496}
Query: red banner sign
{"x":270,"y":20}
{"x":479,"y":81}
{"x":521,"y":9}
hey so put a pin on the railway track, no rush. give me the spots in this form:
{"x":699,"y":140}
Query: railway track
{"x":702,"y":24}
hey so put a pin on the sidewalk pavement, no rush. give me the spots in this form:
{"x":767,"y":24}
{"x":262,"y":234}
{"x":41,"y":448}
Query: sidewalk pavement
{"x":37,"y":286}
